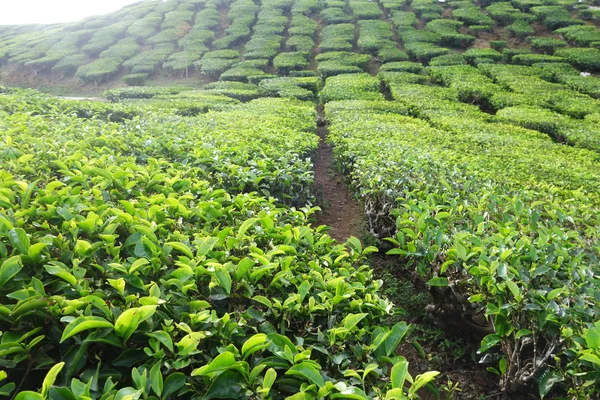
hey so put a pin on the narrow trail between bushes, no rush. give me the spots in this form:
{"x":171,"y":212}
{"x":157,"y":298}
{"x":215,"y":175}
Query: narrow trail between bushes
{"x":340,"y":210}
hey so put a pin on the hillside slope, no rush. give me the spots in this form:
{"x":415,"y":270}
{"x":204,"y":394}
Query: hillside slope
{"x":200,"y":41}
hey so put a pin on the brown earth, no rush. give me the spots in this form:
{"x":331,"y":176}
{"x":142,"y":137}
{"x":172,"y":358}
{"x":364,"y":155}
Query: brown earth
{"x":340,"y":210}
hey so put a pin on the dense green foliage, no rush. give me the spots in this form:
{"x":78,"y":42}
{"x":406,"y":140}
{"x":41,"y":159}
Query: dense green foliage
{"x":162,"y":244}
{"x":177,"y":270}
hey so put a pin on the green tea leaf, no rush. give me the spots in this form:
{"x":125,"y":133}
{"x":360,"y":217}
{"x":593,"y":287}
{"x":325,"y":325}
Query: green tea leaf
{"x":548,"y":380}
{"x":352,"y":320}
{"x":399,"y":372}
{"x":51,"y":378}
{"x":84,"y":323}
{"x":156,"y":379}
{"x":254,"y":344}
{"x":438,"y":281}
{"x":28,"y":395}
{"x":19,"y":240}
{"x":9,"y":269}
{"x":223,"y":278}
{"x":182,"y":247}
{"x":172,"y":384}
{"x":307,"y":371}
{"x":129,"y":321}
{"x":220,"y":363}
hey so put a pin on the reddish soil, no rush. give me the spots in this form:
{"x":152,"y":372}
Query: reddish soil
{"x":341,"y":211}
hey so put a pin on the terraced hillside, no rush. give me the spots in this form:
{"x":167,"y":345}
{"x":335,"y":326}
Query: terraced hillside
{"x":163,"y":241}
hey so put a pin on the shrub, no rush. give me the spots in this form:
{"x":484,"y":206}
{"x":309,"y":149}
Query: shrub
{"x":148,"y":61}
{"x":448,"y":59}
{"x":539,"y":119}
{"x":530,"y":59}
{"x":580,"y":35}
{"x":504,"y":13}
{"x":583,"y":84}
{"x":285,"y":87}
{"x":69,"y":64}
{"x":181,"y":61}
{"x":404,"y":19}
{"x":405,"y":66}
{"x":447,"y":29}
{"x":526,"y":5}
{"x":146,"y":27}
{"x":335,"y":16}
{"x":300,"y":43}
{"x":286,"y":62}
{"x":124,"y":49}
{"x":553,"y":71}
{"x":424,"y":52}
{"x":237,"y":90}
{"x":351,"y":87}
{"x":583,"y":58}
{"x":521,"y":29}
{"x":546,"y":45}
{"x":390,"y":5}
{"x":337,"y":37}
{"x":365,"y":9}
{"x":510,"y":53}
{"x":375,"y":35}
{"x":99,"y":70}
{"x":142,"y":92}
{"x":391,"y":53}
{"x":347,"y":58}
{"x":479,"y":56}
{"x":401,"y":77}
{"x":135,"y":79}
{"x":498,"y":45}
{"x":157,"y":316}
{"x":241,"y":74}
{"x":471,"y":15}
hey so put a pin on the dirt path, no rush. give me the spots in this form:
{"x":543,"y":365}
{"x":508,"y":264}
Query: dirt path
{"x":341,"y":211}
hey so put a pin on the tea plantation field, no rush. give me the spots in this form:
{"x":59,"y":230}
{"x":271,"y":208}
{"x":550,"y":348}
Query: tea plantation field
{"x":161,"y":240}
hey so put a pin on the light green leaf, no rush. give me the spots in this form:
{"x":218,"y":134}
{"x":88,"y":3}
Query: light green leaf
{"x":82,"y":247}
{"x":223,"y":278}
{"x":254,"y":344}
{"x":84,"y":323}
{"x":28,"y":395}
{"x":19,"y":239}
{"x":270,"y":377}
{"x":221,"y":363}
{"x":514,"y":290}
{"x":245,"y":226}
{"x":59,"y":269}
{"x":307,"y":371}
{"x":129,"y":321}
{"x":591,"y":336}
{"x":398,"y":375}
{"x":9,"y":269}
{"x":205,"y":245}
{"x":554,"y":293}
{"x":263,"y":300}
{"x":352,"y":320}
{"x":156,"y":379}
{"x":489,"y":341}
{"x":422,"y":380}
{"x":398,"y":332}
{"x":182,"y":247}
{"x":438,"y":281}
{"x":51,"y":378}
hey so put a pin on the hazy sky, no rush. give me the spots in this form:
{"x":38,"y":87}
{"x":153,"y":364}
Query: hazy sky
{"x":54,"y":11}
